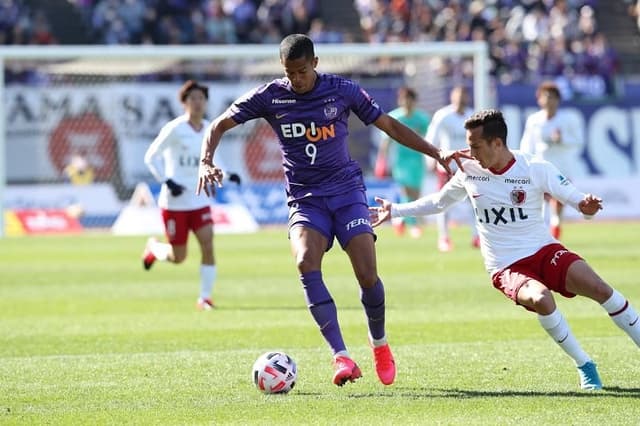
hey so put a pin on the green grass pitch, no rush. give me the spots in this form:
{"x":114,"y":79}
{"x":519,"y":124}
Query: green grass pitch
{"x":88,"y":337}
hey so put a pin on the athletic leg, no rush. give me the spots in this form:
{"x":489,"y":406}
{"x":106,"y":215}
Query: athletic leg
{"x":442,"y":219}
{"x":583,"y":280}
{"x":361,"y":251}
{"x":208,"y":269}
{"x":412,"y":194}
{"x":308,"y":247}
{"x":177,"y":233}
{"x":538,"y":298}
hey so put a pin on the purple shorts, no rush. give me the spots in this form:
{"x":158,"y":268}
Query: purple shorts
{"x":341,"y":216}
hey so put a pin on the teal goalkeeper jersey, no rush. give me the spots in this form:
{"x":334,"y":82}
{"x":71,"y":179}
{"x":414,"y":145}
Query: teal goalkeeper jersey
{"x":408,"y":166}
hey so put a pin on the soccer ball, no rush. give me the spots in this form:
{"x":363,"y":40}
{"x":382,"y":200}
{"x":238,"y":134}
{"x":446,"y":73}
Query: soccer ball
{"x":274,"y":372}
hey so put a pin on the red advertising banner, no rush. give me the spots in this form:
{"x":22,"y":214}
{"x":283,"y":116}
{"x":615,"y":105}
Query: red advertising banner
{"x":41,"y":222}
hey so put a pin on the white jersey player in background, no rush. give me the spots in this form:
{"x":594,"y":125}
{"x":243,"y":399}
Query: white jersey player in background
{"x":446,"y":131}
{"x":552,"y":134}
{"x":174,"y":158}
{"x":525,"y":262}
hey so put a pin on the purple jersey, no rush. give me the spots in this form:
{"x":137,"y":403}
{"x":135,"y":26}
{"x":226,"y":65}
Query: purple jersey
{"x":312,"y":129}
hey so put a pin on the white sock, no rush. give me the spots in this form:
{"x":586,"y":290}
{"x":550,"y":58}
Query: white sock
{"x":378,"y":342}
{"x":207,"y":279}
{"x":623,"y":314}
{"x":557,"y":327}
{"x":341,"y":353}
{"x":160,"y":250}
{"x":441,"y":224}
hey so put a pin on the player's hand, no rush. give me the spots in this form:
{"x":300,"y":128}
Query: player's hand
{"x":209,"y":177}
{"x":590,"y":205}
{"x":446,"y":156}
{"x":380,"y":214}
{"x":175,"y":188}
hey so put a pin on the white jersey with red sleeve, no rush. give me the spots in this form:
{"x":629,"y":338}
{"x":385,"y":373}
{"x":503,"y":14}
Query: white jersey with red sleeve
{"x":507,"y":204}
{"x":175,"y":154}
{"x":537,"y":139}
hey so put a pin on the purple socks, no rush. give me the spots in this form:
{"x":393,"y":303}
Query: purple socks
{"x":373,"y":302}
{"x":323,"y":309}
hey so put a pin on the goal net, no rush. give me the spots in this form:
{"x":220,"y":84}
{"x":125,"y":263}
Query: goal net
{"x":75,"y":121}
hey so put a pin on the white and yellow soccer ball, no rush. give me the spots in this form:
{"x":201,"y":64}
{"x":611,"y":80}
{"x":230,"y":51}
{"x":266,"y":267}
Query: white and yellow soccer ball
{"x":275,"y":372}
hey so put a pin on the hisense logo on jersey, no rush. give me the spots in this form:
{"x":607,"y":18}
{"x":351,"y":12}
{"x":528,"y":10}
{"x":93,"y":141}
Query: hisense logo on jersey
{"x":283,"y":101}
{"x":311,"y":132}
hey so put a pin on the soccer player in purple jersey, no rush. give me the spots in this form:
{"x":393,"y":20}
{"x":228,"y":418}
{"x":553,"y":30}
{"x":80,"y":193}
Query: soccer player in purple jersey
{"x":326,"y":193}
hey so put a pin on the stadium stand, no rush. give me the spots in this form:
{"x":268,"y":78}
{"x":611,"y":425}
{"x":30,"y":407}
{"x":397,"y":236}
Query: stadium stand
{"x":613,"y":20}
{"x":528,"y":39}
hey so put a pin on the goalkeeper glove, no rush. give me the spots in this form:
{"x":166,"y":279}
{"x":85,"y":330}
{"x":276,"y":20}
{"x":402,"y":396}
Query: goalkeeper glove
{"x":175,"y":188}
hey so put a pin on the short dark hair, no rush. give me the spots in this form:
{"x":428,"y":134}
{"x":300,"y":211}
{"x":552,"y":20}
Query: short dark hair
{"x":296,"y":46}
{"x":408,"y":92}
{"x":189,"y":86}
{"x":492,"y":123}
{"x":548,"y":86}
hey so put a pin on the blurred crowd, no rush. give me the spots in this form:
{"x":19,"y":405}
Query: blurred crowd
{"x":20,"y":25}
{"x":527,"y":38}
{"x":197,"y":21}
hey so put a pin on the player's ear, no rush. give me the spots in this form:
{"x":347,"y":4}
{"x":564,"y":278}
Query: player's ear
{"x":315,"y":62}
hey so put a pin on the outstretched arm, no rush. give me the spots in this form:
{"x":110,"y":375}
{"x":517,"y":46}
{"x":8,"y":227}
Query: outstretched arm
{"x":427,"y":205}
{"x":407,"y":137}
{"x":208,"y":173}
{"x":565,"y":191}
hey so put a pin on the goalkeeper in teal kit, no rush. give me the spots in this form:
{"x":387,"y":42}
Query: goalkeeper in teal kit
{"x":407,"y":166}
{"x":325,"y":188}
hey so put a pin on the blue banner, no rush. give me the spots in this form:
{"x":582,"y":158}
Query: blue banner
{"x":610,"y":127}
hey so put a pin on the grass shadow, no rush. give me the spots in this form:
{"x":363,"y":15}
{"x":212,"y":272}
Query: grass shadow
{"x":455,"y":393}
{"x":301,"y":307}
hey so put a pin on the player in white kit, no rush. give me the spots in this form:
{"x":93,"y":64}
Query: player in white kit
{"x":174,"y":158}
{"x":552,"y":134}
{"x":446,"y":131}
{"x":525,"y":262}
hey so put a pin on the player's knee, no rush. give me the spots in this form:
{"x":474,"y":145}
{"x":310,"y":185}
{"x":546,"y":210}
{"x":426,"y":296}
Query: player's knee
{"x":367,"y":278}
{"x":542,"y":302}
{"x":179,"y":257}
{"x":306,"y":264}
